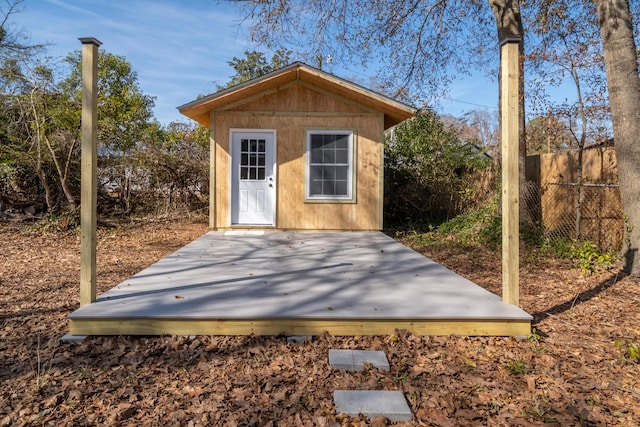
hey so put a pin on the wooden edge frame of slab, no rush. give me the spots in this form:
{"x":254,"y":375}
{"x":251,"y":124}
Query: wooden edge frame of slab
{"x":335,"y":327}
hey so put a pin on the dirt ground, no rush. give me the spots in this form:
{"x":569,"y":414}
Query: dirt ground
{"x":570,"y":372}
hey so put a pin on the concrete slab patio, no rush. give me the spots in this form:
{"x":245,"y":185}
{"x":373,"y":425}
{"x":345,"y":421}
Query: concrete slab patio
{"x":297,"y":283}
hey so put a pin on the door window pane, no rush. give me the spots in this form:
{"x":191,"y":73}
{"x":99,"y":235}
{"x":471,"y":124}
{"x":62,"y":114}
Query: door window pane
{"x":253,"y":159}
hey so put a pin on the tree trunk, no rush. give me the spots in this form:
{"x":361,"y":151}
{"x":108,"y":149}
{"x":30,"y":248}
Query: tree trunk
{"x":577,"y":202}
{"x":41,"y":139}
{"x":47,"y":189}
{"x":62,"y":174}
{"x":583,"y":137}
{"x":620,"y":58}
{"x":42,"y":176}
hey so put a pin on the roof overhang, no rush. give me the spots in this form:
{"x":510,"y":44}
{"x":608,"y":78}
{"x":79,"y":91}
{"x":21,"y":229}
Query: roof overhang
{"x":394,"y":111}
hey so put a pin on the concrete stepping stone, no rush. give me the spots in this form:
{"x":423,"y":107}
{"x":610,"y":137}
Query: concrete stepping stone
{"x":74,"y":339}
{"x":354,"y":360}
{"x":372,"y":404}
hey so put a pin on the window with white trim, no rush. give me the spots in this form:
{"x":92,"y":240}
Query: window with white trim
{"x":329,"y":164}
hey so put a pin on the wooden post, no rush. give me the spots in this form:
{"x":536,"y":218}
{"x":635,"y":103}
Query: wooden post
{"x":212,"y":171}
{"x":88,"y":160}
{"x":510,"y":141}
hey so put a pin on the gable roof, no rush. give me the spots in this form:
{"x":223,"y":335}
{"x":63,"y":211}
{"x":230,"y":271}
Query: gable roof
{"x":394,"y":111}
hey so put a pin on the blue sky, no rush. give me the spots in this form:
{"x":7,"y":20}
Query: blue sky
{"x":180,"y":49}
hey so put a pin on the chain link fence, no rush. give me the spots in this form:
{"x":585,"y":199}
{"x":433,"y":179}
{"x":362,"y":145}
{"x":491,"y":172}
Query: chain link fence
{"x":597,"y":217}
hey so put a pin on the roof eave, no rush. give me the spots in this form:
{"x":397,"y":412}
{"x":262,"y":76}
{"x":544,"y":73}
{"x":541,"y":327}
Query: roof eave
{"x":394,"y":111}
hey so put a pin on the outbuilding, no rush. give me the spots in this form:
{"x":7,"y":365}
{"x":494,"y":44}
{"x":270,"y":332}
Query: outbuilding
{"x":297,"y":149}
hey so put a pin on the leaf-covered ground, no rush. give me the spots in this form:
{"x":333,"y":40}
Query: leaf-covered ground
{"x":571,"y":373}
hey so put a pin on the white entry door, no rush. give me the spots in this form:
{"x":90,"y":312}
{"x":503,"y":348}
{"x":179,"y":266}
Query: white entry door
{"x":253,"y":187}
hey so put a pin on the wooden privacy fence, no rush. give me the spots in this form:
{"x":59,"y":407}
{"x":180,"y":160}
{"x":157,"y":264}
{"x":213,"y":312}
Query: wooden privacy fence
{"x":551,"y":193}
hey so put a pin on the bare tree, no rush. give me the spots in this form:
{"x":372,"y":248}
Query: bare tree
{"x":420,"y":42}
{"x":548,"y":134}
{"x":14,"y":44}
{"x":479,"y":127}
{"x":420,"y":45}
{"x":567,"y":50}
{"x":415,"y":42}
{"x":35,"y":138}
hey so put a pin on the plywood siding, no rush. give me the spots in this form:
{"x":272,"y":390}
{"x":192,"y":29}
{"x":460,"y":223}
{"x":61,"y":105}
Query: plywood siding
{"x":299,"y":98}
{"x":292,"y":211}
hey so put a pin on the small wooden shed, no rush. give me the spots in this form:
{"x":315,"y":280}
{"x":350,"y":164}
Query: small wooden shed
{"x":297,"y":148}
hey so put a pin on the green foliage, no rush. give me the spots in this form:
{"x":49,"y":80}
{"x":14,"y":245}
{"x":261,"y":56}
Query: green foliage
{"x":8,"y":175}
{"x":400,"y":377}
{"x":589,"y":257}
{"x":36,"y":138}
{"x":534,"y":336}
{"x":143,"y":167}
{"x":43,"y":126}
{"x":172,"y":168}
{"x":516,"y":367}
{"x":482,"y":226}
{"x":427,"y":171}
{"x":628,"y":348}
{"x":255,"y":64}
{"x":125,"y":112}
{"x":533,"y":234}
{"x":538,"y":408}
{"x":57,"y":222}
{"x":491,"y":232}
{"x":478,"y":226}
{"x":559,"y":247}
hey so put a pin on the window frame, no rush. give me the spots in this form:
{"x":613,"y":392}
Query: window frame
{"x":350,"y":197}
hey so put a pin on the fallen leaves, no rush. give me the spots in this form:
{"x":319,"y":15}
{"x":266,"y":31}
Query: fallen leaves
{"x":574,"y":372}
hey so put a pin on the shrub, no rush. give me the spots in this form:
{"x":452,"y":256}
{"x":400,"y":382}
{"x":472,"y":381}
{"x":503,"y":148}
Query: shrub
{"x":430,"y":174}
{"x":589,"y":257}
